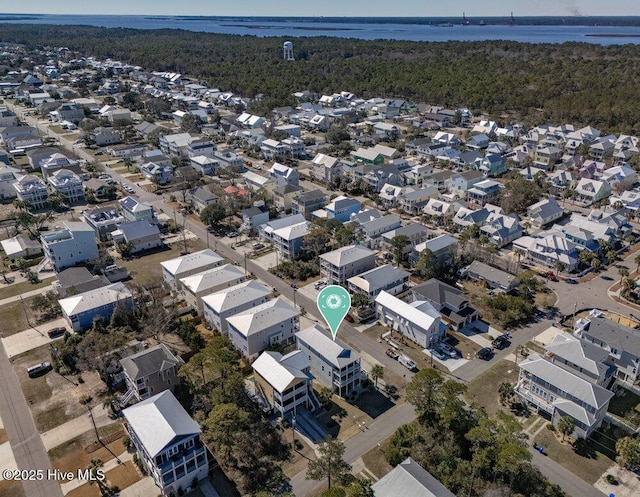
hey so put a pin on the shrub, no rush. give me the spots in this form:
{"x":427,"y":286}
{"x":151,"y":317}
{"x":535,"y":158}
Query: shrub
{"x":550,"y":427}
{"x":612,"y":480}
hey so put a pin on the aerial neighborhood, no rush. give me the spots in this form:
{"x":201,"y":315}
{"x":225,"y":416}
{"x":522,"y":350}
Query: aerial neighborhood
{"x":168,"y":245}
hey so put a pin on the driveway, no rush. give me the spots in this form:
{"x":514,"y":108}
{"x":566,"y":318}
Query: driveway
{"x":31,"y":338}
{"x":74,"y":427}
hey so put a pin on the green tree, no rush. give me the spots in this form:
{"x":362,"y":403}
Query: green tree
{"x":628,"y":450}
{"x":636,"y":259}
{"x":558,"y":266}
{"x":213,"y":215}
{"x":96,"y":471}
{"x":222,"y":430}
{"x":506,"y":392}
{"x":56,"y":200}
{"x":623,"y":272}
{"x":519,"y":194}
{"x":360,"y":301}
{"x":316,"y":241}
{"x":423,"y":391}
{"x":399,"y":244}
{"x":330,"y":463}
{"x":112,"y":402}
{"x":566,"y":425}
{"x":377,"y":372}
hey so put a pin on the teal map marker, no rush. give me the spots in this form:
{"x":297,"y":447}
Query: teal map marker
{"x":334,"y":303}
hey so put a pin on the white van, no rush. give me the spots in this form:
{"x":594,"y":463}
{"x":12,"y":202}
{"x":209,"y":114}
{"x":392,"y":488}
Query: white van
{"x":407,"y":363}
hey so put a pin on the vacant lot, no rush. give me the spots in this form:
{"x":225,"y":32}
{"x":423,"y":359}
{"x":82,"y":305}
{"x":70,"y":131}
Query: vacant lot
{"x":72,"y":454}
{"x":13,"y":317}
{"x":14,"y":289}
{"x":484,"y":389}
{"x":375,"y":460}
{"x":626,"y":406}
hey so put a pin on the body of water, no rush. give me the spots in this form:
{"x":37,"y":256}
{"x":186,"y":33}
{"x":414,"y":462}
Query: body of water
{"x":558,"y":31}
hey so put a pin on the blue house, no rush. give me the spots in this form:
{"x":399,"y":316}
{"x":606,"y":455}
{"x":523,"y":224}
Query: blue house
{"x":80,"y":310}
{"x":341,"y":208}
{"x":492,"y":165}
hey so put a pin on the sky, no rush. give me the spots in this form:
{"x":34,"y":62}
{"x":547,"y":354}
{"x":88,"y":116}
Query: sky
{"x":330,"y":8}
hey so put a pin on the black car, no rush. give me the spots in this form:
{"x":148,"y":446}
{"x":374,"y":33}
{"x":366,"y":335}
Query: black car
{"x":485,"y":353}
{"x":571,"y":281}
{"x":500,"y":342}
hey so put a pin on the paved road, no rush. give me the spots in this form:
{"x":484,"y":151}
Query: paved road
{"x":28,"y":449}
{"x":379,"y":430}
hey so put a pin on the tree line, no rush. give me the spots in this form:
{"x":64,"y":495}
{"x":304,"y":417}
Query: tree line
{"x":573,"y":82}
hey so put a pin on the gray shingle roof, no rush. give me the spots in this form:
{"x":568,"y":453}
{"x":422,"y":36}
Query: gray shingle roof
{"x":149,"y":361}
{"x":409,"y":479}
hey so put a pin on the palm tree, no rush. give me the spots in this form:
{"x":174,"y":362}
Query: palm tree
{"x":519,"y":253}
{"x":506,"y":392}
{"x":112,"y":402}
{"x":617,"y":205}
{"x":566,"y":425}
{"x":97,"y":475}
{"x":377,"y":372}
{"x":623,"y":272}
{"x":628,"y":285}
{"x":558,"y":266}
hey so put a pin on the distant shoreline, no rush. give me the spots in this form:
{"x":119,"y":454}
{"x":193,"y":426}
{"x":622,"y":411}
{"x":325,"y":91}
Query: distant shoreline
{"x":612,"y":35}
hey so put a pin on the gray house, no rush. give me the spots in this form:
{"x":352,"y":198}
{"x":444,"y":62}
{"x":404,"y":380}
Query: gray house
{"x":150,"y":372}
{"x":409,"y":479}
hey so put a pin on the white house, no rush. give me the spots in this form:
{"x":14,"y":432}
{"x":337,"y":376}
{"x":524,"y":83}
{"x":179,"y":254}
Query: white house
{"x":30,"y":188}
{"x":218,"y":306}
{"x":386,"y":278}
{"x":419,"y":321}
{"x":168,"y":443}
{"x":266,"y":325}
{"x":210,"y":281}
{"x":341,"y":264}
{"x":69,"y":184}
{"x":174,"y":270}
{"x":135,"y":210}
{"x":544,"y":212}
{"x":74,"y":244}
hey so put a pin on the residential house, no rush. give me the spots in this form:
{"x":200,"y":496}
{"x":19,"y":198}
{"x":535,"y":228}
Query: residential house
{"x":492,"y":277}
{"x":502,"y":229}
{"x":217,"y":307}
{"x":69,"y":184}
{"x":176,"y":145}
{"x":135,"y":210}
{"x":390,"y":195}
{"x":138,"y":235}
{"x":493,"y":165}
{"x":478,"y":142}
{"x":440,"y":179}
{"x":465,"y":217}
{"x":620,"y":342}
{"x":200,"y":148}
{"x":439,"y":210}
{"x":450,"y":302}
{"x":229,"y":160}
{"x":341,"y":264}
{"x":253,"y":218}
{"x":74,"y":244}
{"x":579,"y":357}
{"x":156,"y":173}
{"x":289,"y":240}
{"x":103,"y":220}
{"x":283,"y":382}
{"x":325,"y":168}
{"x":414,"y":202}
{"x":151,"y":371}
{"x":283,"y":175}
{"x":409,"y":478}
{"x":418,"y":174}
{"x":557,"y":392}
{"x":32,"y":189}
{"x":200,"y":198}
{"x":82,"y":309}
{"x":416,"y":233}
{"x":295,"y":147}
{"x":601,"y":149}
{"x":308,"y":202}
{"x":283,"y":196}
{"x":206,"y":166}
{"x":210,"y":281}
{"x":559,"y":181}
{"x":266,"y":230}
{"x":443,"y":247}
{"x":373,"y":230}
{"x":174,"y":270}
{"x":255,"y":182}
{"x":589,"y":191}
{"x":21,"y":247}
{"x":388,"y":278}
{"x":56,"y":162}
{"x":548,"y":248}
{"x":273,"y":150}
{"x":620,"y":177}
{"x":168,"y":443}
{"x":630,"y":200}
{"x":484,"y":192}
{"x":332,"y":363}
{"x":144,"y":129}
{"x":418,"y":321}
{"x":547,"y":157}
{"x":544,"y":212}
{"x":273,"y":323}
{"x":105,"y":136}
{"x":341,"y":208}
{"x":75,"y":280}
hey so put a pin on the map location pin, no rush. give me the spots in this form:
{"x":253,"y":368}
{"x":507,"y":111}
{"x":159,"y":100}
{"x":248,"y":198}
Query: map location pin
{"x":334,"y":303}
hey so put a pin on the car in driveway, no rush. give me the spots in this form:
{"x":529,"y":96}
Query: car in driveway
{"x":437,"y":353}
{"x":571,"y":281}
{"x":232,"y":234}
{"x":349,"y":318}
{"x":485,"y":353}
{"x":500,"y":342}
{"x":56,"y":332}
{"x":448,"y":349}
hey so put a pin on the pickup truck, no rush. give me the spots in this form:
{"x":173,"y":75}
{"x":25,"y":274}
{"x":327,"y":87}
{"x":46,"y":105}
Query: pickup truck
{"x":393,"y":354}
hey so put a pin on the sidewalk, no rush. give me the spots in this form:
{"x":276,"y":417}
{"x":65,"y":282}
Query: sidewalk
{"x":74,"y":427}
{"x":25,"y":295}
{"x":108,"y":466}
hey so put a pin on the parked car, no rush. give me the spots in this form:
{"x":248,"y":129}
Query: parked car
{"x":571,"y":281}
{"x":393,"y":354}
{"x":349,"y":318}
{"x":605,"y":277}
{"x":485,"y":353}
{"x":56,"y":332}
{"x":232,"y":234}
{"x":448,"y":350}
{"x":407,"y":363}
{"x":39,"y":369}
{"x":501,"y":342}
{"x":438,"y":353}
{"x":551,"y":276}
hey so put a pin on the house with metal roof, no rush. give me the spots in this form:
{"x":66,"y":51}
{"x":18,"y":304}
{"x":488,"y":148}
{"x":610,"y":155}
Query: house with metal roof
{"x":494,"y":278}
{"x":580,"y":358}
{"x":272,"y":323}
{"x":289,"y":240}
{"x":284,"y":382}
{"x":168,"y":443}
{"x":32,"y":189}
{"x":142,"y":235}
{"x":69,"y":246}
{"x":373,"y":230}
{"x":135,"y":210}
{"x":409,"y":478}
{"x":150,"y":372}
{"x":333,"y":364}
{"x":21,"y":247}
{"x":443,"y":247}
{"x":174,"y":270}
{"x":558,"y":392}
{"x":544,"y":212}
{"x":341,"y":264}
{"x":80,"y":310}
{"x":415,"y":232}
{"x":450,"y":302}
{"x":75,"y":280}
{"x":210,"y":281}
{"x":418,"y":321}
{"x":217,"y":307}
{"x":386,"y":278}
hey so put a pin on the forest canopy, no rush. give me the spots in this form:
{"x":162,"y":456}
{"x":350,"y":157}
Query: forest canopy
{"x":577,"y":83}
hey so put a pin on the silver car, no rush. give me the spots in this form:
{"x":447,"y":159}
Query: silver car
{"x":448,"y":349}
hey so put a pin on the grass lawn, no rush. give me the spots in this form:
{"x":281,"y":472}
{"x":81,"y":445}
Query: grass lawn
{"x":13,"y":317}
{"x":590,"y":466}
{"x":85,"y":490}
{"x":627,"y":407}
{"x":14,"y":289}
{"x":376,"y":462}
{"x":72,"y":455}
{"x":123,"y":476}
{"x":53,"y":416}
{"x":483,"y":390}
{"x":11,"y":489}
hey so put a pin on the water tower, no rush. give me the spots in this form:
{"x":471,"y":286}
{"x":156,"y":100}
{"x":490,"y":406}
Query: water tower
{"x":288,"y":50}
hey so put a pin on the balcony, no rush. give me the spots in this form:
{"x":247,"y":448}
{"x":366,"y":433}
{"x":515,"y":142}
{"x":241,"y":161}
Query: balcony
{"x":181,"y":458}
{"x":524,"y":393}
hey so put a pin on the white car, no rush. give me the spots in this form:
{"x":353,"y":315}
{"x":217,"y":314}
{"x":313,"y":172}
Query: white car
{"x":448,"y":349}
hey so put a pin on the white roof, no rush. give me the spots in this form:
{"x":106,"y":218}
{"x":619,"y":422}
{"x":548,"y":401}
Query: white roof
{"x":211,"y":278}
{"x":419,"y":312}
{"x":94,"y":299}
{"x":281,"y":372}
{"x":347,"y":255}
{"x":292,"y":232}
{"x":334,"y":351}
{"x":235,"y":296}
{"x":191,"y":261}
{"x":159,"y":420}
{"x":263,"y":316}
